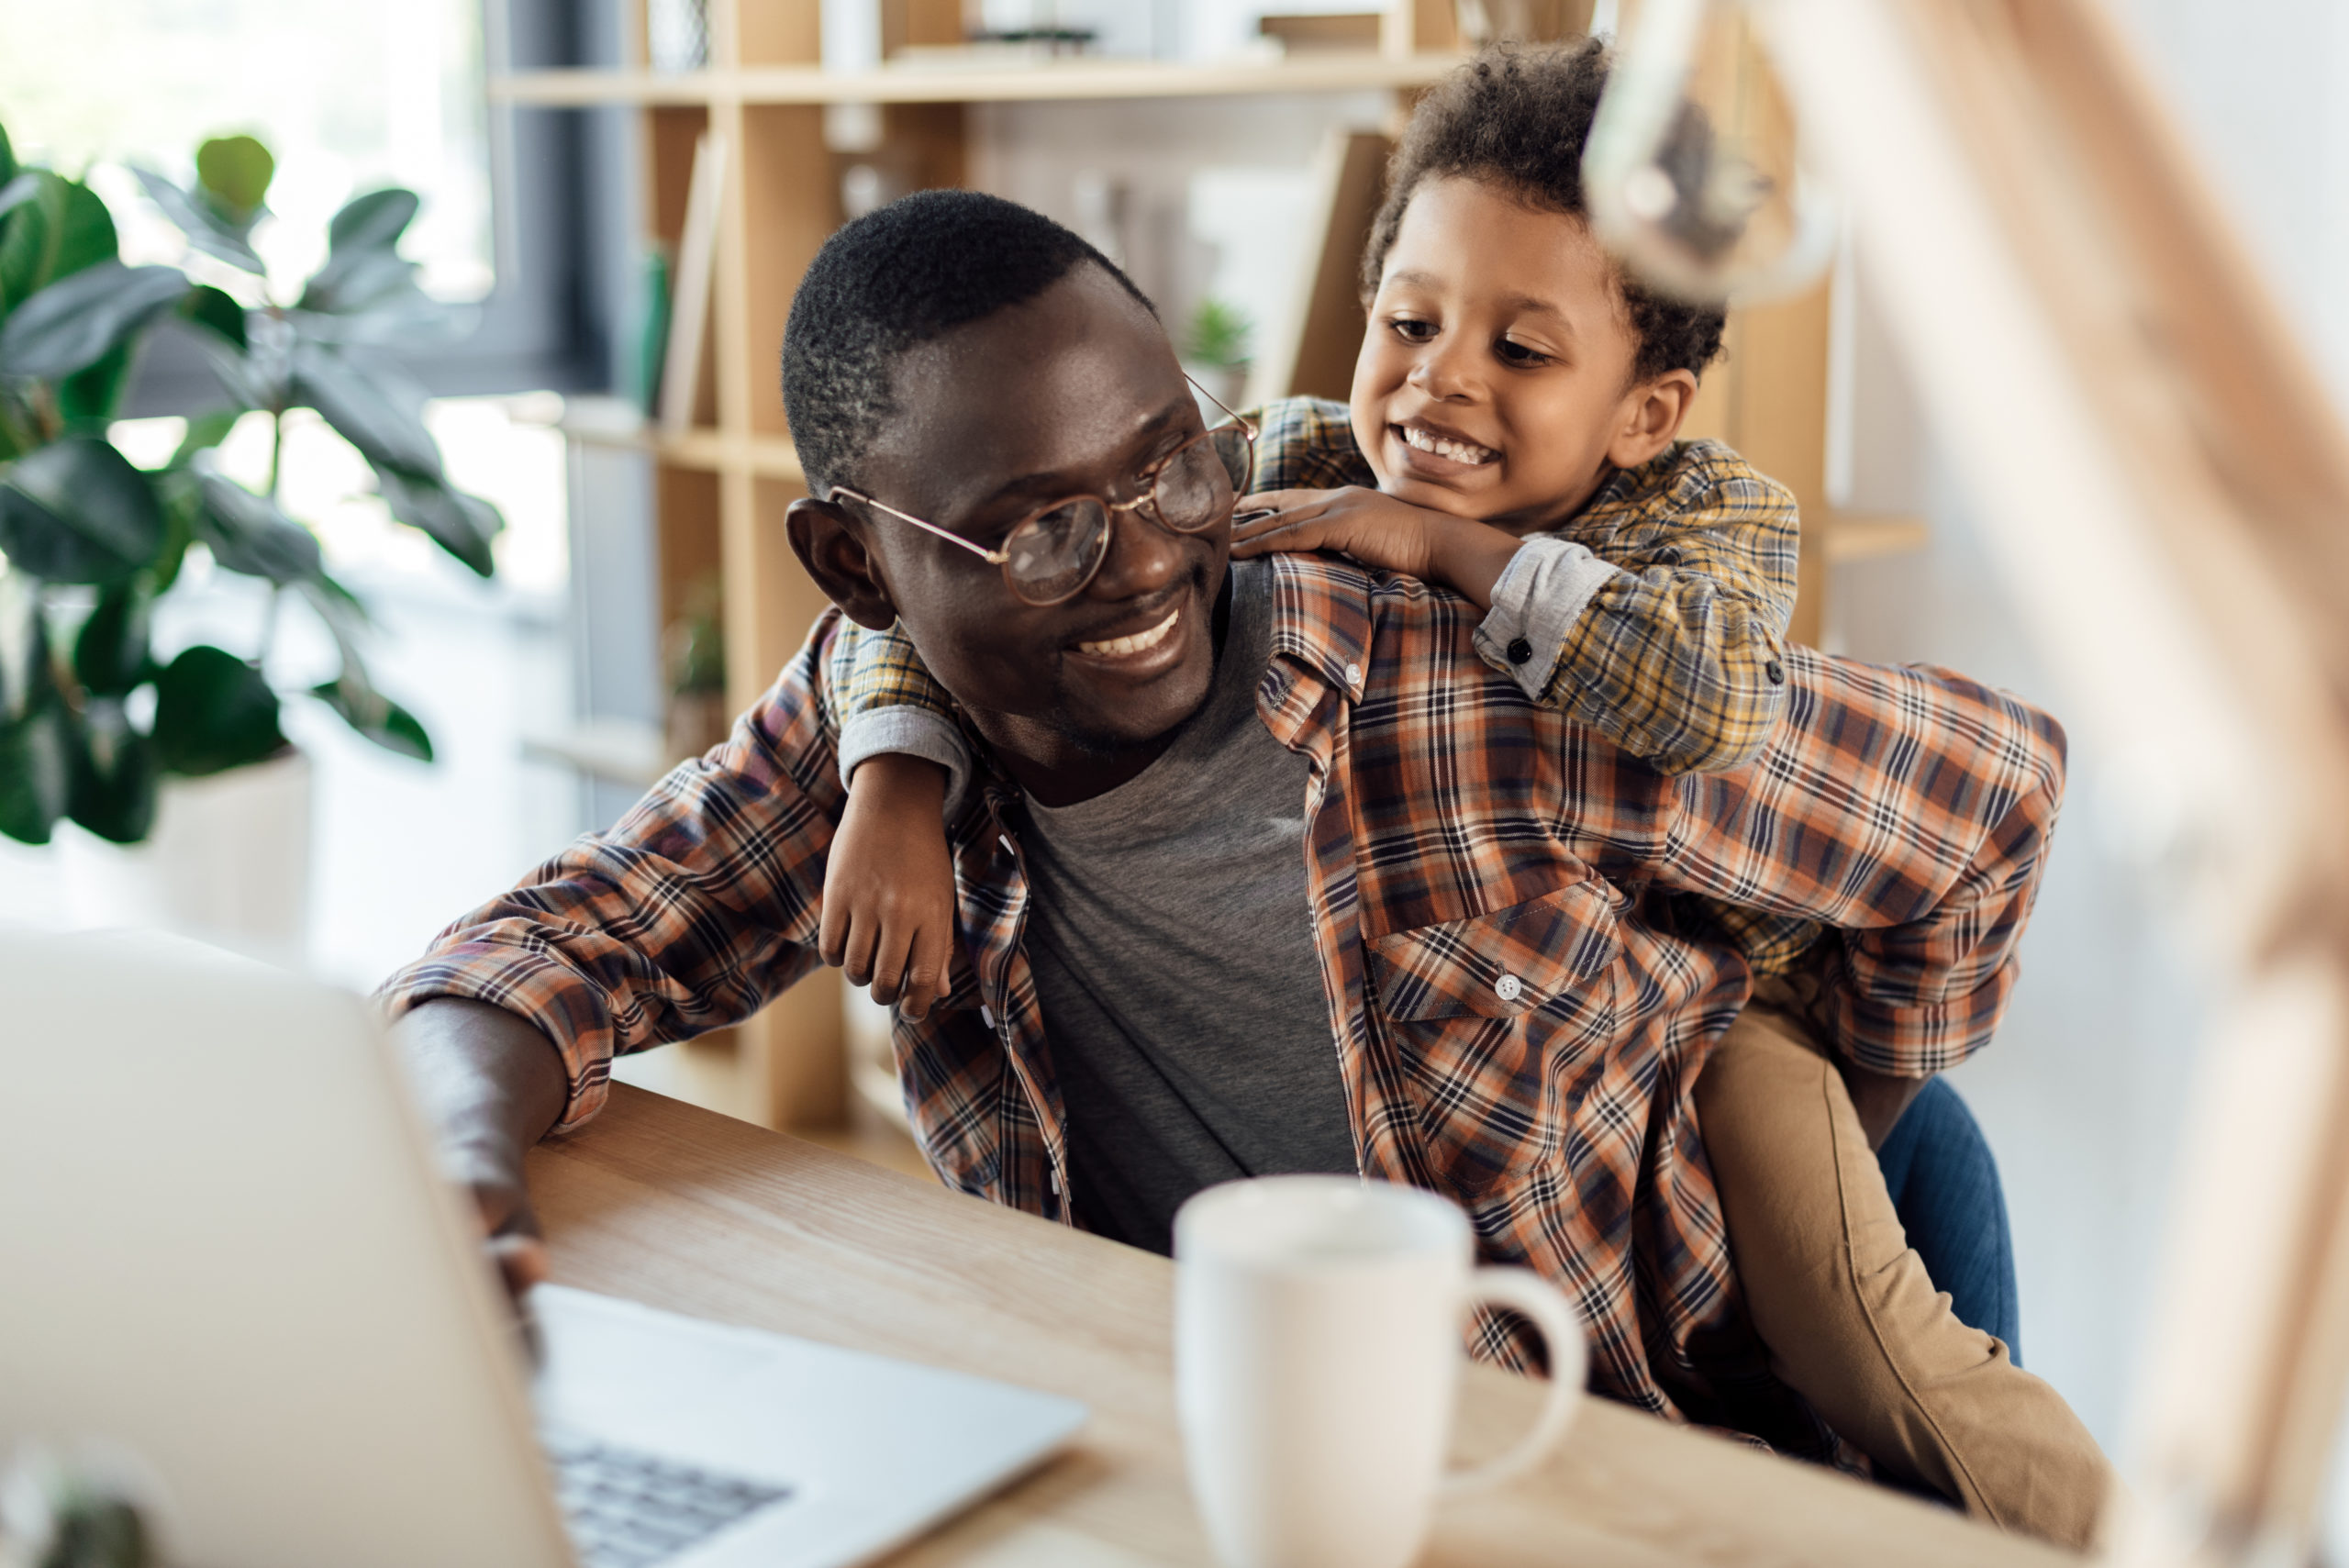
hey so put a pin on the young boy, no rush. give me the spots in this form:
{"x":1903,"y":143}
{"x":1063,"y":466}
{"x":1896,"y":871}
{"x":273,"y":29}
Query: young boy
{"x":1512,"y":435}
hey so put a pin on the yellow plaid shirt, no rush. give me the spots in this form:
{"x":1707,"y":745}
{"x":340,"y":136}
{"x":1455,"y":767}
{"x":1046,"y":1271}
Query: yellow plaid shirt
{"x":1678,"y":656}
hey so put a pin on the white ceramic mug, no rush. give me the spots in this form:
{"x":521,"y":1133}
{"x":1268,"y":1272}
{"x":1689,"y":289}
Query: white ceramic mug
{"x":1318,"y":1341}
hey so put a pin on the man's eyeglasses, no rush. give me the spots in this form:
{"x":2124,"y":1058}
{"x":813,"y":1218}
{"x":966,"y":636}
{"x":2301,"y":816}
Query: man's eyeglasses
{"x":1051,"y":554}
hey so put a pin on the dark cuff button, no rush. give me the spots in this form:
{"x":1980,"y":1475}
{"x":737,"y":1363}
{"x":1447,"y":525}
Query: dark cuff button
{"x":1776,"y":672}
{"x":1521,"y":650}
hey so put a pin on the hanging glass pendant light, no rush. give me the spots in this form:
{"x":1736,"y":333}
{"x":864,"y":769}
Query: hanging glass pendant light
{"x":1692,"y":173}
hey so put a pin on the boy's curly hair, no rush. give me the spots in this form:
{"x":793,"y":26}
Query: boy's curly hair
{"x":1519,"y":116}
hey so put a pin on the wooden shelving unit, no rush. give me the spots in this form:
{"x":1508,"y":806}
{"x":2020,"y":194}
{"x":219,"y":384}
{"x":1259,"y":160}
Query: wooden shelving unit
{"x":722,"y":484}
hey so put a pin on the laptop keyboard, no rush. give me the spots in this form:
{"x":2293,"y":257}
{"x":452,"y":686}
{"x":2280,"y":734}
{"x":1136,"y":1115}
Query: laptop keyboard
{"x":628,"y":1509}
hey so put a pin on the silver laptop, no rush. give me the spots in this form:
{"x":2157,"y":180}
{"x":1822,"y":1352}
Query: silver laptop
{"x":226,"y":1260}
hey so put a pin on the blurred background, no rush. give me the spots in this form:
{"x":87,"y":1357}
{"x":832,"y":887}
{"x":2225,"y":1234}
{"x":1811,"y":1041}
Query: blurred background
{"x":592,"y":577}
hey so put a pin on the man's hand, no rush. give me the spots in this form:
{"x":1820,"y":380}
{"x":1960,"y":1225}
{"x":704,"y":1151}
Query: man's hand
{"x":889,"y":884}
{"x":1378,"y":531}
{"x":491,"y":1084}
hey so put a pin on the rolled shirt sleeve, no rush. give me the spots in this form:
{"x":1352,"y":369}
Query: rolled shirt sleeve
{"x":695,"y":910}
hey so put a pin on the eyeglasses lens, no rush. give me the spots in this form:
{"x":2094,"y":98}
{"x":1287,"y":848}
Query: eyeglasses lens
{"x":1194,"y":488}
{"x":1054,"y":552}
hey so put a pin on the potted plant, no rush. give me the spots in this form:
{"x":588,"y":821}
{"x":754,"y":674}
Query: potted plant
{"x":1215,"y":350}
{"x":94,"y":726}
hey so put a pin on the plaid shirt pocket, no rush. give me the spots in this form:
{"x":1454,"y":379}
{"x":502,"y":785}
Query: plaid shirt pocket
{"x":1491,"y":1019}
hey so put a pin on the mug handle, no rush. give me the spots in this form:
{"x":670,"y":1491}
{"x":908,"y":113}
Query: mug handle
{"x":1530,"y":1294}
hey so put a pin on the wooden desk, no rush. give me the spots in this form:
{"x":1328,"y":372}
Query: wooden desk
{"x":695,"y":1212}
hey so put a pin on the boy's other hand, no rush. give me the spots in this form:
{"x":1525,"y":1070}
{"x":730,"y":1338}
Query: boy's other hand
{"x":1375,"y":529}
{"x":1378,"y":531}
{"x":889,"y":885}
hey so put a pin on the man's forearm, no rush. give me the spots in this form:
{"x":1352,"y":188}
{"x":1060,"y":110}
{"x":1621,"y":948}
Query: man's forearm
{"x":490,"y":1082}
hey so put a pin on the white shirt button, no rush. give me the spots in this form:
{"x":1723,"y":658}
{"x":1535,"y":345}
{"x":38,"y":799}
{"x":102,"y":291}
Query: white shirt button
{"x":1508,"y":987}
{"x":985,"y":1016}
{"x":1354,"y":675}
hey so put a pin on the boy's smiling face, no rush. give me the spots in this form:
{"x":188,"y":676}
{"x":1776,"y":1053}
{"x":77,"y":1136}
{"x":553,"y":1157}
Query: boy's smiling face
{"x":1496,"y":374}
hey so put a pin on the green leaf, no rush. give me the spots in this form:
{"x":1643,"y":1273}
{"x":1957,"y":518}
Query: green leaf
{"x":179,"y":502}
{"x":208,"y":231}
{"x":8,"y":157}
{"x":249,"y":534}
{"x":18,"y":190}
{"x":376,"y":717}
{"x":62,"y":229}
{"x":204,"y":433}
{"x":89,"y":398}
{"x":36,"y":772}
{"x":112,"y":778}
{"x":213,"y":712}
{"x":373,"y":222}
{"x":76,"y":511}
{"x":460,"y":524}
{"x":110,"y":650}
{"x":337,"y":607}
{"x":77,"y":319}
{"x":375,"y":410}
{"x":210,"y":307}
{"x":235,"y":171}
{"x":356,"y":282}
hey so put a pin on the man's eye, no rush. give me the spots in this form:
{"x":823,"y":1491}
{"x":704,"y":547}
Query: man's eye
{"x":1411,"y":330}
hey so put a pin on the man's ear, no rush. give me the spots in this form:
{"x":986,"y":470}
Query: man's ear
{"x":1649,"y":416}
{"x":831,"y":547}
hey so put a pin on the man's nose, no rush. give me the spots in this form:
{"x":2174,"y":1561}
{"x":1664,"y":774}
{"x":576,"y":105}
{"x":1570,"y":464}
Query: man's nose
{"x":1143,"y":558}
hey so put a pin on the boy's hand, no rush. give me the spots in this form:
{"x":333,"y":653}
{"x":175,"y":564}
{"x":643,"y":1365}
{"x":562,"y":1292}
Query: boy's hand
{"x":1378,"y":531}
{"x":889,"y":887}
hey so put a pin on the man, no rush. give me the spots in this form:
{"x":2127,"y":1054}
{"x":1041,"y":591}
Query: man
{"x":1267,"y":871}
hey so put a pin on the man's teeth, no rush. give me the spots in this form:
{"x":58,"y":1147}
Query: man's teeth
{"x":1444,"y":446}
{"x":1139,"y":641}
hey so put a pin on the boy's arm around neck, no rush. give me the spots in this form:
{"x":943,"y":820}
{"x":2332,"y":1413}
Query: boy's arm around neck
{"x":1658,"y":617}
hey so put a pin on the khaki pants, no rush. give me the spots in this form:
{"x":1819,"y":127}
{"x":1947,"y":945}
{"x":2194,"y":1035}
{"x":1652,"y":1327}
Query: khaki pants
{"x":1851,"y":1320}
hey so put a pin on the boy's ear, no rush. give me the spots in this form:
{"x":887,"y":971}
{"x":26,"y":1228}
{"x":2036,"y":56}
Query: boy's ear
{"x":832,"y":548}
{"x":1649,"y":416}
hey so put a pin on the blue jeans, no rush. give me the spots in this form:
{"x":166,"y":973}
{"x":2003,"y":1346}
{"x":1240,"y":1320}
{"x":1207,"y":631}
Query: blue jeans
{"x":1944,"y":1185}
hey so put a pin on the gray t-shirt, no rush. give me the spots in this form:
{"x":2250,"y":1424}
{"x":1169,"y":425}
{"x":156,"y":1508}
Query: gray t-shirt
{"x":1172,"y":944}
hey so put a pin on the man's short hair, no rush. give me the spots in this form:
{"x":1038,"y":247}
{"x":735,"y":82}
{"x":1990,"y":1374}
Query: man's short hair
{"x":1518,"y":116}
{"x":903,"y":275}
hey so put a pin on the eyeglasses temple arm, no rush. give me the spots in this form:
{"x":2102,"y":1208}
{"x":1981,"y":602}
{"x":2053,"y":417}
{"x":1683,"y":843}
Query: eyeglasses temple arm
{"x":992,"y":556}
{"x":1219,"y":403}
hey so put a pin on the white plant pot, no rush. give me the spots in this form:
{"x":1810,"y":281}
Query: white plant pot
{"x":228,"y":863}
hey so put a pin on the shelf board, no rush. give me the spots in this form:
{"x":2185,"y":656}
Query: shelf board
{"x":767,"y":457}
{"x":975,"y":83}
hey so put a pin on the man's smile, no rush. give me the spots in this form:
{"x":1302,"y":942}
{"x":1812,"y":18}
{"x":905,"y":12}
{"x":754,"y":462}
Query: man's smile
{"x":1135,"y":643}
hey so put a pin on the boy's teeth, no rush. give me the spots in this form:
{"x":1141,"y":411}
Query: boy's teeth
{"x":1444,"y":446}
{"x":1137,"y":642}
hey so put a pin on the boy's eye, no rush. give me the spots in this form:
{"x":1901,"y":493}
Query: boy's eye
{"x":1514,"y":353}
{"x":1412,"y":330}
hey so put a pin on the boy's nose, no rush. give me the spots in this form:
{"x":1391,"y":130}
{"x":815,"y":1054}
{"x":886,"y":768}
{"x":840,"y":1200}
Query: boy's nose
{"x":1443,"y":375}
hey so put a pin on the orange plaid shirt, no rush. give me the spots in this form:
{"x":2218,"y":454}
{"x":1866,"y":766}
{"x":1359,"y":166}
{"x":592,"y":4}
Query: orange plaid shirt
{"x":1500,"y":904}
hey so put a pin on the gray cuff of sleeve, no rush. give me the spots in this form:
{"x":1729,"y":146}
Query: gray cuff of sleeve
{"x":916,"y":732}
{"x":1546,"y":586}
